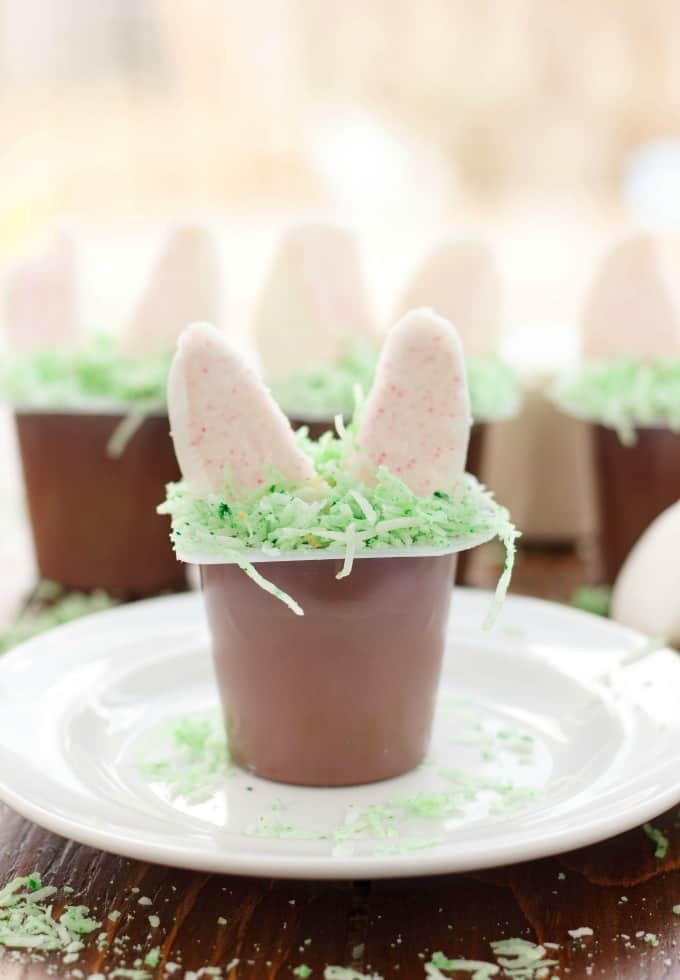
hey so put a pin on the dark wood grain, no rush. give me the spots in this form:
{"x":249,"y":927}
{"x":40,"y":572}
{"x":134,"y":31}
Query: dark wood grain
{"x":618,"y":888}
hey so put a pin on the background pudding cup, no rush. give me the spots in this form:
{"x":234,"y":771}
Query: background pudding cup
{"x":316,"y":425}
{"x":345,"y":694}
{"x":93,"y":516}
{"x":479,"y":435}
{"x":634,"y":484}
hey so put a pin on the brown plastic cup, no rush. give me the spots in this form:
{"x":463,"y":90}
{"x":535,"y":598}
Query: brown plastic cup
{"x":93,"y":517}
{"x":634,"y":484}
{"x":345,"y":694}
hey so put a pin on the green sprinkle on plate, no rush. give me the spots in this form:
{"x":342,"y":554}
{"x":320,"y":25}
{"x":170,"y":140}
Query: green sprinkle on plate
{"x":659,"y":840}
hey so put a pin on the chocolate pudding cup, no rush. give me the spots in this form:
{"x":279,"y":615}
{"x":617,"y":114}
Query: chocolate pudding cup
{"x":345,"y":694}
{"x":634,"y":484}
{"x":93,"y":517}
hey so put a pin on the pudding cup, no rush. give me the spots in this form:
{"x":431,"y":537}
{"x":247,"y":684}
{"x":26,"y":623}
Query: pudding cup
{"x":345,"y":694}
{"x":93,"y":516}
{"x":634,"y":484}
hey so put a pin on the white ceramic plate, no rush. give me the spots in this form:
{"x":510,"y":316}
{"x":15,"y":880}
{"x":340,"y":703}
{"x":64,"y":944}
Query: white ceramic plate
{"x":532,"y":753}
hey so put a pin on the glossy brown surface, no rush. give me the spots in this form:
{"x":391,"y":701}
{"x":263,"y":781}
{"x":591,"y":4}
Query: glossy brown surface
{"x":344,"y":694}
{"x":92,"y":516}
{"x":617,"y":888}
{"x":634,"y":485}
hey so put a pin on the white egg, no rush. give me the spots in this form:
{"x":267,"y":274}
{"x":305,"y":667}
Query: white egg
{"x":646,"y":595}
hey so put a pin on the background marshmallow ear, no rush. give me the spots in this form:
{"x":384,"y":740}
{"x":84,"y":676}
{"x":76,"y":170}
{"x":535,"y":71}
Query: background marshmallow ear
{"x":460,"y":281}
{"x":417,"y":417}
{"x":184,"y":287}
{"x":631,"y":309}
{"x":41,"y":305}
{"x":646,"y":595}
{"x":221,"y":414}
{"x":313,"y":301}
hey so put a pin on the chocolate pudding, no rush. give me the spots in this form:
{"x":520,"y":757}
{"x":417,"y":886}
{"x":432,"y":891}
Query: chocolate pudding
{"x":345,"y":694}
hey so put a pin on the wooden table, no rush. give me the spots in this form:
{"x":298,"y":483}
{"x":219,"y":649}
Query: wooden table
{"x":617,"y":888}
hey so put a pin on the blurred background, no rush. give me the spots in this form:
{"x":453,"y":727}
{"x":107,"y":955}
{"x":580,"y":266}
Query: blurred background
{"x":526,"y":117}
{"x":550,"y":126}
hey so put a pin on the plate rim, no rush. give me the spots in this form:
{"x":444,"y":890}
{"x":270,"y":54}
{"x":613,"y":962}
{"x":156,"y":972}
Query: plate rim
{"x":301,"y":866}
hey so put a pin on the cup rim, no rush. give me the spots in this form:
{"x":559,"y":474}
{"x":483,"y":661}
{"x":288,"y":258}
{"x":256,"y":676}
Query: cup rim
{"x":108,"y":408}
{"x":256,"y":556}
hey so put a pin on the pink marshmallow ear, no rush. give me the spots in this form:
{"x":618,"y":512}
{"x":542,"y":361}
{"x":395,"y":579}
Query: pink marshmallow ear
{"x":313,"y":301}
{"x":631,"y":309}
{"x":41,"y":307}
{"x":222,"y":416}
{"x":183,"y":288}
{"x":460,"y":281}
{"x":417,"y":417}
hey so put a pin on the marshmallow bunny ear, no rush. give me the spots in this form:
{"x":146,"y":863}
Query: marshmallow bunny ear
{"x":461,"y":281}
{"x":222,"y":415}
{"x":184,"y":287}
{"x":41,"y":307}
{"x":417,"y":417}
{"x":313,"y":301}
{"x":631,"y":309}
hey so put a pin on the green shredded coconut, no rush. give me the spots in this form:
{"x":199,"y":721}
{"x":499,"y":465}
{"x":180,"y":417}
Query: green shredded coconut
{"x":326,"y":390}
{"x":95,"y":375}
{"x":26,"y":922}
{"x":479,"y":969}
{"x":494,"y":388}
{"x":592,"y":599}
{"x":323,"y":391}
{"x":676,"y":910}
{"x":189,"y":756}
{"x":152,"y":958}
{"x":337,"y":515}
{"x":659,"y":840}
{"x":624,"y":394}
{"x":66,"y":608}
{"x":302,"y":971}
{"x":580,"y":932}
{"x":521,"y":959}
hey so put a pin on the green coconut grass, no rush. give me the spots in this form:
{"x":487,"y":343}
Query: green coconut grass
{"x":336,"y":513}
{"x":624,"y":394}
{"x":323,"y":391}
{"x":494,"y":388}
{"x":97,"y":375}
